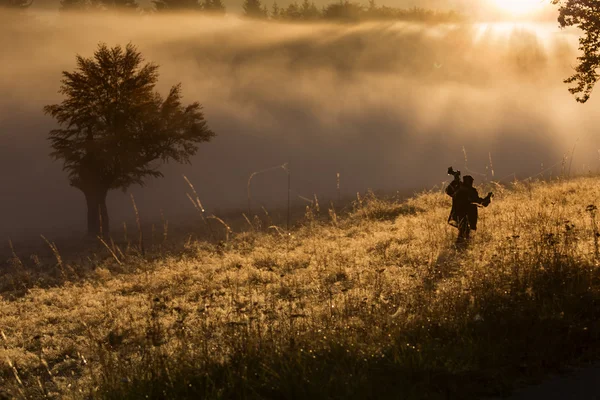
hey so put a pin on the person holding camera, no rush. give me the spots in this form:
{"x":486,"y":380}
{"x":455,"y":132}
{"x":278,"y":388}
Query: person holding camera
{"x":465,"y":203}
{"x":451,"y":191}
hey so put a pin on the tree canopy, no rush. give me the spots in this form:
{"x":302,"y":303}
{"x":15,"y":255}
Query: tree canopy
{"x":115,"y":130}
{"x":585,"y":15}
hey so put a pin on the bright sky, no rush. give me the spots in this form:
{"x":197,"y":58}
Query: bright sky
{"x":520,"y":8}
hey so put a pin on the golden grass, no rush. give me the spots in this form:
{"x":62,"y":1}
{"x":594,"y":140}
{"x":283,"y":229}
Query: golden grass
{"x":345,"y":306}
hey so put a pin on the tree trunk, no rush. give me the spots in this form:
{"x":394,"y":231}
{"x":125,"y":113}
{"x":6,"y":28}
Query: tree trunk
{"x":97,"y":213}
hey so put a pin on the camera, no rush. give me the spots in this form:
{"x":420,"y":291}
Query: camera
{"x":488,"y":199}
{"x":455,"y":174}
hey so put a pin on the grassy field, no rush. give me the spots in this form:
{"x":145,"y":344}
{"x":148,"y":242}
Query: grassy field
{"x":372,"y":303}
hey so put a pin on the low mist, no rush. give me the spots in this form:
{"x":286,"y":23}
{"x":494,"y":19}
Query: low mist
{"x":387,"y":105}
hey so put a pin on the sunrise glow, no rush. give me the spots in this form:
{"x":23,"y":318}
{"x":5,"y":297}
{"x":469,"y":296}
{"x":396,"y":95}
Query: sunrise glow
{"x":519,"y":7}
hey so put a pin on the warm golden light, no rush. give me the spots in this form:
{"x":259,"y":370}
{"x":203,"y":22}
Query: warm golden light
{"x":519,"y":7}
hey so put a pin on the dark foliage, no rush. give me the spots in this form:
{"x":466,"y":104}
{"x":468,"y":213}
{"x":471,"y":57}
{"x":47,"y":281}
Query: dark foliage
{"x":177,"y":5}
{"x":585,"y":15}
{"x":275,"y":11}
{"x":75,"y":5}
{"x":306,"y":11}
{"x":119,"y":4}
{"x":344,"y":10}
{"x":213,"y":6}
{"x":115,"y":127}
{"x":15,"y":4}
{"x":254,"y":9}
{"x":348,"y":11}
{"x":99,"y":5}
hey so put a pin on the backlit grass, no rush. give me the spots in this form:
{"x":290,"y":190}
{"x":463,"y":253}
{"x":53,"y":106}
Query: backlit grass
{"x":373,"y":303}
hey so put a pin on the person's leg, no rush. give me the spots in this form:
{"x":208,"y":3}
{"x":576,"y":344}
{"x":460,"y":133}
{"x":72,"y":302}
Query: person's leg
{"x":463,"y":230}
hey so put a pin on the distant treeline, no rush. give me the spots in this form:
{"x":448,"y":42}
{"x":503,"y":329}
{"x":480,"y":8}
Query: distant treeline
{"x":343,"y":10}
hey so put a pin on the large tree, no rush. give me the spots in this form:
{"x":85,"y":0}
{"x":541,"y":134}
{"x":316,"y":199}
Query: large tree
{"x":115,"y":130}
{"x":585,"y":15}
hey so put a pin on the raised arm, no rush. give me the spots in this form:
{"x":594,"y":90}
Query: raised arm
{"x":475,"y":199}
{"x":453,"y":187}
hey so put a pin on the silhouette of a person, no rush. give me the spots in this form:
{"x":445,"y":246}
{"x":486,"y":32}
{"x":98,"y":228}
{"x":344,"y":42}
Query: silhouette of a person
{"x":451,"y":191}
{"x":464,"y":204}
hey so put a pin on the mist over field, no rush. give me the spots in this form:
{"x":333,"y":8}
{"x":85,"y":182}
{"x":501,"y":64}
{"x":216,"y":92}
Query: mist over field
{"x":479,"y":8}
{"x":387,"y":105}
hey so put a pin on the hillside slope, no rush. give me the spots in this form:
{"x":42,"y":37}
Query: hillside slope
{"x":375,"y":303}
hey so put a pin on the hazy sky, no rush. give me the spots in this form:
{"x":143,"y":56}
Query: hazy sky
{"x":237,"y":4}
{"x":388,"y":105}
{"x":479,"y":8}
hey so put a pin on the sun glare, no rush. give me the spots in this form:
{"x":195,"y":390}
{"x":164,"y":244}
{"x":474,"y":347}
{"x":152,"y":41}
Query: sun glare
{"x":519,"y":7}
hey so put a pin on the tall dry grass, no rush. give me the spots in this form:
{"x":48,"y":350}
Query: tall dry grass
{"x":374,"y":303}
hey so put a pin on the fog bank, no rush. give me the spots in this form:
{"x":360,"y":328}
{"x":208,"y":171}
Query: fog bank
{"x":387,"y":105}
